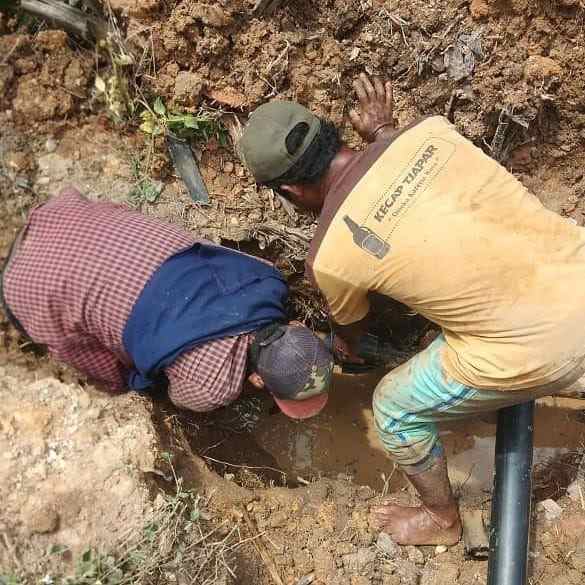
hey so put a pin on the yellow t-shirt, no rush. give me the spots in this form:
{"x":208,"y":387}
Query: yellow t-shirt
{"x":436,"y":224}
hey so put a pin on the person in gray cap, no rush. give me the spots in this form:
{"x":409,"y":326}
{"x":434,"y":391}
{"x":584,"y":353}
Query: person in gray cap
{"x":425,"y":217}
{"x":131,"y":301}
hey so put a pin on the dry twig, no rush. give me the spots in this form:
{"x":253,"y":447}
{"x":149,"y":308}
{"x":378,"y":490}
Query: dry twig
{"x":263,"y":551}
{"x":244,"y":466}
{"x":266,"y":7}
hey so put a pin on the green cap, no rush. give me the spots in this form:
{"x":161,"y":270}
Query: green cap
{"x":263,"y":144}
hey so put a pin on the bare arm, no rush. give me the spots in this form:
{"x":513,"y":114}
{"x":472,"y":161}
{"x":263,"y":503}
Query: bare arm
{"x":346,"y":339}
{"x":374,"y":120}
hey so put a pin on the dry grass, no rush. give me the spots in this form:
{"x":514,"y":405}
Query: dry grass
{"x":551,"y":477}
{"x":179,"y":544}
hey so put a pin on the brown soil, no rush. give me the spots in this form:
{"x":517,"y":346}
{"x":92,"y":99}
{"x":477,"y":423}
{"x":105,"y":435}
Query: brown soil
{"x":59,"y":442}
{"x":76,"y":467}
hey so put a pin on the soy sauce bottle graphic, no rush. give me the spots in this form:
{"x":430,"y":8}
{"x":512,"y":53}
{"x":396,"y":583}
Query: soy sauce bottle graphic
{"x":366,"y":239}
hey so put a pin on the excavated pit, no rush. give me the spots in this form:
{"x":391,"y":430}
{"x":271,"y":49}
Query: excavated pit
{"x":54,"y":131}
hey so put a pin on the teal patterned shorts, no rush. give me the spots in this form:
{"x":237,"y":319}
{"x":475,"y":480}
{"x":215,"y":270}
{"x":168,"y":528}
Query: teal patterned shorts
{"x":413,"y":398}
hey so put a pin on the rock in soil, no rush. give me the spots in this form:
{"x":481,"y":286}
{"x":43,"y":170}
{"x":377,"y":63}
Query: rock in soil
{"x":440,"y":574}
{"x":387,"y":545}
{"x":552,"y":510}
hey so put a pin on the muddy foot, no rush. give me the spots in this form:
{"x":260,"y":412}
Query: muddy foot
{"x":418,"y":526}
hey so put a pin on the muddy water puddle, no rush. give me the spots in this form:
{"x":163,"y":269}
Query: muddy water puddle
{"x":343,"y":440}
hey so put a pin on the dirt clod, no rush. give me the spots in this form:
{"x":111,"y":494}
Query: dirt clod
{"x":479,"y":9}
{"x":52,"y":40}
{"x":408,"y":572}
{"x":39,"y":518}
{"x":135,"y":8}
{"x":188,"y":88}
{"x":440,"y":574}
{"x":387,"y":545}
{"x":415,"y":555}
{"x":55,"y":453}
{"x":538,"y":68}
{"x":551,"y":509}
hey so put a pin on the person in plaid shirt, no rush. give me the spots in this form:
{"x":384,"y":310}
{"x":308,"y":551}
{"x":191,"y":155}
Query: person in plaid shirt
{"x":80,"y":273}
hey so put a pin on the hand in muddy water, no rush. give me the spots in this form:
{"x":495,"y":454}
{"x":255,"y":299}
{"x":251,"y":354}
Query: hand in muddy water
{"x":344,"y":352}
{"x":374,"y":119}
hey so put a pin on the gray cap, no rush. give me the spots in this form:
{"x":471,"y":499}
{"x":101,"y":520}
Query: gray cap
{"x":263,"y":144}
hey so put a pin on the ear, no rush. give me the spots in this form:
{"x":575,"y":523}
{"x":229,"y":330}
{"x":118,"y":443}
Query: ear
{"x":295,"y":191}
{"x":256,"y":380}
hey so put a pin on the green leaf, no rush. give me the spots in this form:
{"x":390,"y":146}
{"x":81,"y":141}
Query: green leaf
{"x":159,"y":107}
{"x":150,"y":531}
{"x":152,"y":190}
{"x":124,"y":60}
{"x":148,"y":127}
{"x":58,"y":549}
{"x":191,"y":122}
{"x":223,"y":138}
{"x":177,"y":118}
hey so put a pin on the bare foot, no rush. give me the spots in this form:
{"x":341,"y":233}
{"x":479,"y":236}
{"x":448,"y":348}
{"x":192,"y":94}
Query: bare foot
{"x":420,"y":525}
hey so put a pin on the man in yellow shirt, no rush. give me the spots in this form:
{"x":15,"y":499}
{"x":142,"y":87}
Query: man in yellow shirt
{"x":425,"y":217}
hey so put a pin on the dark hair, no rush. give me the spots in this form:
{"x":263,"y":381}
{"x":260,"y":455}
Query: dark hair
{"x":315,"y":161}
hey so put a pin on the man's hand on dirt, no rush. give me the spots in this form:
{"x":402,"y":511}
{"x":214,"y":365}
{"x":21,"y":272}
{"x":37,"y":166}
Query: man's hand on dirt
{"x":374,"y":119}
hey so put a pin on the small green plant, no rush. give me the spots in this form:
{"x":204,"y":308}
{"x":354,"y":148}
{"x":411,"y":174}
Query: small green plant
{"x":93,"y":568}
{"x":113,"y":87}
{"x":158,"y":120}
{"x":145,"y":190}
{"x":10,"y":580}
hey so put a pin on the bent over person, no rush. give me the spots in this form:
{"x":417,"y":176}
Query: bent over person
{"x":425,"y":217}
{"x":128,"y":300}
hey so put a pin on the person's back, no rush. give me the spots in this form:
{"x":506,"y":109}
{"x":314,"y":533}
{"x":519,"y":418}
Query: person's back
{"x":441,"y":227}
{"x":425,"y":217}
{"x":77,"y":271}
{"x":129,"y":300}
{"x":80,"y":268}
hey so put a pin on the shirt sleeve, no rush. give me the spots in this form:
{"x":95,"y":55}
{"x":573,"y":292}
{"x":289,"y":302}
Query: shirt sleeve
{"x":96,"y":362}
{"x":209,"y":376}
{"x":347,"y":302}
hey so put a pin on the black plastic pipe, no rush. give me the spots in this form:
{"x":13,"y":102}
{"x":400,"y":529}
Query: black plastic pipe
{"x":511,"y":503}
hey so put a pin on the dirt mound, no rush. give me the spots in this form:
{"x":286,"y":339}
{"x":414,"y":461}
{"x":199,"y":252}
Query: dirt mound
{"x":520,"y":101}
{"x":72,"y":467}
{"x":93,"y":488}
{"x":42,"y":77}
{"x":312,"y":52}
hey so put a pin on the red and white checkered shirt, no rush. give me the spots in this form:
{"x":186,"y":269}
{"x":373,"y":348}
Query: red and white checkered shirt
{"x":74,"y":280}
